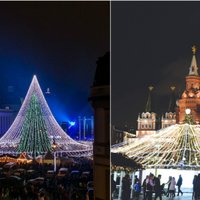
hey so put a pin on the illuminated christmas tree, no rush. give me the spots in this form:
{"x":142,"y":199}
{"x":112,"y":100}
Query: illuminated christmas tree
{"x":34,"y":137}
{"x":35,"y":129}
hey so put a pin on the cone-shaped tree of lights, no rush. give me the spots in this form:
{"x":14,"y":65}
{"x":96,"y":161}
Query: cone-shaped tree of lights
{"x":34,"y":136}
{"x":33,"y":123}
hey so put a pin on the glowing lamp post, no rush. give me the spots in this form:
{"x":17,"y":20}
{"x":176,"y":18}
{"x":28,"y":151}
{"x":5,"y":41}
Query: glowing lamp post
{"x":54,"y":145}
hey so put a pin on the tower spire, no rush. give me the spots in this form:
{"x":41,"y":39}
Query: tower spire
{"x":172,"y":101}
{"x":193,"y":71}
{"x":148,"y":105}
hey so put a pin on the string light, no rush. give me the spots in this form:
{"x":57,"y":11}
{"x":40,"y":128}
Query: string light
{"x":177,"y":146}
{"x":35,"y":127}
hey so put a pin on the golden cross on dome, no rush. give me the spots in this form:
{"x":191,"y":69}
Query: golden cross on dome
{"x":194,"y":49}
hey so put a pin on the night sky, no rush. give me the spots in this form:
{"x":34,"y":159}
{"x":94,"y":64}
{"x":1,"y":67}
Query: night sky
{"x":151,"y":45}
{"x":60,"y":42}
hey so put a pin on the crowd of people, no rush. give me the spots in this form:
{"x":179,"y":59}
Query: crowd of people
{"x":53,"y":187}
{"x":151,"y":185}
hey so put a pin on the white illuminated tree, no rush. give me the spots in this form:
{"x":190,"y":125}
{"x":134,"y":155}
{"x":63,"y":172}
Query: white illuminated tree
{"x":35,"y":128}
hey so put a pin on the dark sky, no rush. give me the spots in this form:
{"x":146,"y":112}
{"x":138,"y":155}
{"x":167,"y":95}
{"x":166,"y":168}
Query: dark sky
{"x":151,"y":45}
{"x":60,"y":42}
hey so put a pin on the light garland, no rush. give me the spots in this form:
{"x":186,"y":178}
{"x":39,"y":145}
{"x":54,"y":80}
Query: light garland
{"x":177,"y":146}
{"x":34,"y":136}
{"x":34,"y":116}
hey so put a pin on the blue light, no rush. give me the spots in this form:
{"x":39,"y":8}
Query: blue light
{"x":72,"y":123}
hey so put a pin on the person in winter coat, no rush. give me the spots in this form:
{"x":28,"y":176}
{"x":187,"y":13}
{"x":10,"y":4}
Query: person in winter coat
{"x":172,"y":188}
{"x":126,"y":187}
{"x":158,"y":187}
{"x":113,"y":184}
{"x":144,"y":185}
{"x":179,"y":183}
{"x":137,"y":189}
{"x":149,"y":187}
{"x":195,"y":188}
{"x":168,"y":185}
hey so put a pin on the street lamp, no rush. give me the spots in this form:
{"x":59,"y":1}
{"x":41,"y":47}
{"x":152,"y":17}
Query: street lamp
{"x":54,"y":145}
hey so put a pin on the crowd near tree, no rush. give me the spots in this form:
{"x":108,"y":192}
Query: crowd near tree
{"x":152,"y":187}
{"x":36,"y":184}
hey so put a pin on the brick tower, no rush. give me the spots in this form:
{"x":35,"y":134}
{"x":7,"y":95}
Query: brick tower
{"x":190,"y":98}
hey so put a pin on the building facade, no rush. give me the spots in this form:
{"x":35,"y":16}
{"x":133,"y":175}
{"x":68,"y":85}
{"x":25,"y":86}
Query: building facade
{"x":7,"y":117}
{"x":81,"y":129}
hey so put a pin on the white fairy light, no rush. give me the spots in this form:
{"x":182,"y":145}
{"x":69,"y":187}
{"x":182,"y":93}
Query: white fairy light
{"x":11,"y":138}
{"x":169,"y":147}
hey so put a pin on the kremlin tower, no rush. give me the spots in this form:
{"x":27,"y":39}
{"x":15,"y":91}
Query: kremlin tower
{"x":190,"y":98}
{"x":147,"y":120}
{"x":187,"y":108}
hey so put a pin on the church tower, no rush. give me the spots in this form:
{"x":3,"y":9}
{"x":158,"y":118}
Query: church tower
{"x":147,"y":120}
{"x":170,"y":117}
{"x":190,"y":98}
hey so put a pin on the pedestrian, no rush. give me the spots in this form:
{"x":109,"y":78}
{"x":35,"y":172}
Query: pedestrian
{"x":194,"y":182}
{"x":196,"y":187}
{"x":126,"y":187}
{"x":179,"y":183}
{"x":144,"y":187}
{"x":136,"y":179}
{"x":168,"y":185}
{"x":158,"y":187}
{"x":149,"y":186}
{"x":113,"y":185}
{"x":137,"y":189}
{"x":172,"y":187}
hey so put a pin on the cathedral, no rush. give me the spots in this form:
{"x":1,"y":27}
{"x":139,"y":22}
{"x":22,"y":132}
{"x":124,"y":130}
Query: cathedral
{"x":188,"y":106}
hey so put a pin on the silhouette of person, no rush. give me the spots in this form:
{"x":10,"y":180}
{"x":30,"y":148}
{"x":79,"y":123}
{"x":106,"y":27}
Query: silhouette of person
{"x":179,"y":183}
{"x":158,"y":187}
{"x":149,"y":187}
{"x":126,"y":187}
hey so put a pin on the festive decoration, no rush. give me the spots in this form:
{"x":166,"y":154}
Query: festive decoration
{"x":35,"y":128}
{"x":34,"y":136}
{"x":188,"y":117}
{"x":177,"y":146}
